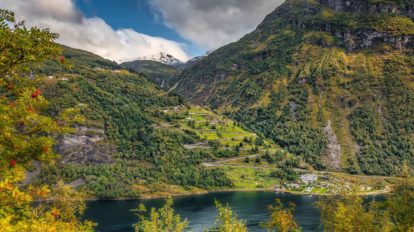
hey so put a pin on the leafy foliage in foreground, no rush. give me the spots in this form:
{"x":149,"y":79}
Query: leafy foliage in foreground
{"x":343,"y":212}
{"x":27,"y":134}
{"x":163,"y":219}
{"x":349,"y":212}
{"x":281,"y":218}
{"x":227,"y":221}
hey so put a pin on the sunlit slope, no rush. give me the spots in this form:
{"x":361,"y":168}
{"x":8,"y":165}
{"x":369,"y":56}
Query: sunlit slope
{"x":330,"y":81}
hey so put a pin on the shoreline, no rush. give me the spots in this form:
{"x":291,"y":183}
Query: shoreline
{"x":182,"y":194}
{"x":154,"y":197}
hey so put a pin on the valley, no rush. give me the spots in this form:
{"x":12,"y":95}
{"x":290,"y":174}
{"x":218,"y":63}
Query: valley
{"x":292,"y":129}
{"x":321,"y":80}
{"x":314,"y":106}
{"x":95,"y":158}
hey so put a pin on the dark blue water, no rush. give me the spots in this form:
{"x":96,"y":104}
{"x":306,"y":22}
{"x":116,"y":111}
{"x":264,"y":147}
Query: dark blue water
{"x":201,"y":212}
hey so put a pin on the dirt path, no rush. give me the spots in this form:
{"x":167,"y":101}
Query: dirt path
{"x":221,"y":162}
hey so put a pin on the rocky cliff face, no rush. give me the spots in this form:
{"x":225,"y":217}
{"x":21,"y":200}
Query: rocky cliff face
{"x":87,"y":146}
{"x":371,"y":7}
{"x":355,"y":39}
{"x":312,"y":76}
{"x":358,"y":24}
{"x":367,"y":37}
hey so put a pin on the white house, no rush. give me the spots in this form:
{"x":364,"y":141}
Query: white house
{"x":309,"y":178}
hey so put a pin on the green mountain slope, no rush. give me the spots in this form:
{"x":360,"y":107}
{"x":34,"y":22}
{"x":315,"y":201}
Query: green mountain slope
{"x":126,"y":142}
{"x":329,"y":80}
{"x":137,"y":140}
{"x":161,"y":74}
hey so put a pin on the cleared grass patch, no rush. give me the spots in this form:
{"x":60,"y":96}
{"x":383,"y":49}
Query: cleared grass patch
{"x":250,"y":178}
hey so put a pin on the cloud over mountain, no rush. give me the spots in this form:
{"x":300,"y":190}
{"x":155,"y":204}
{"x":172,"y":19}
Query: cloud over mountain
{"x":91,"y":34}
{"x":213,"y":23}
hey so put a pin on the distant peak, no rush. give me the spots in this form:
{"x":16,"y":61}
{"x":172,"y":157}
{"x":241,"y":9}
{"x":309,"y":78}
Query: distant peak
{"x":164,"y":58}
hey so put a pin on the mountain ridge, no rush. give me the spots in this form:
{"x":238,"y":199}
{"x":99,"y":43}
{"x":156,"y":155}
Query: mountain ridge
{"x":163,"y":58}
{"x":129,"y":146}
{"x":305,"y":65}
{"x":163,"y":75}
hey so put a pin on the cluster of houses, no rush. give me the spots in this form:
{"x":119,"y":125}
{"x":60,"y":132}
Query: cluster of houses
{"x":306,"y":183}
{"x":309,"y":182}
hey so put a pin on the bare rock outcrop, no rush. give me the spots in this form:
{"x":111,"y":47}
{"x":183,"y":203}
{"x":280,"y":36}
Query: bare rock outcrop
{"x":371,"y":7}
{"x":334,"y":148}
{"x":85,"y":147}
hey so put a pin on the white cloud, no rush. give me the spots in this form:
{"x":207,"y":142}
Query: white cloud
{"x":214,"y":23}
{"x":91,"y":34}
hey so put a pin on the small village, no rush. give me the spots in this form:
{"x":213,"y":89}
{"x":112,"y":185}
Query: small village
{"x":324,"y":183}
{"x":254,"y":174}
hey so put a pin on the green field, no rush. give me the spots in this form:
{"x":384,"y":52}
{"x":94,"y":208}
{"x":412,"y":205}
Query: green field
{"x":252,"y":162}
{"x":219,"y":132}
{"x":250,"y":178}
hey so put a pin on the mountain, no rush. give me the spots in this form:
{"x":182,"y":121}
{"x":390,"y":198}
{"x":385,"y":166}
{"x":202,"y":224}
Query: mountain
{"x":163,"y":58}
{"x":329,"y":80}
{"x":134,"y":140}
{"x":164,"y":76}
{"x":138,"y":140}
{"x":194,"y":60}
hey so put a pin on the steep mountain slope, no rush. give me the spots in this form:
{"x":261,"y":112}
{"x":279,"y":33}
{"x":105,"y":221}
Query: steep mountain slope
{"x":161,"y":74}
{"x":329,"y":80}
{"x":195,"y":60}
{"x":128,"y":146}
{"x":137,"y":139}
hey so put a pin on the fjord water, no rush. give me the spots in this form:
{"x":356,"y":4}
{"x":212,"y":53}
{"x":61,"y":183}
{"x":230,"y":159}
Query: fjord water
{"x":116,"y":216}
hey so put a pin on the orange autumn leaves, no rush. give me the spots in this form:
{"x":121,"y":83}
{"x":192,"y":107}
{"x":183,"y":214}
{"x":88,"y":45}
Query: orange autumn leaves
{"x":12,"y":163}
{"x":27,"y":134}
{"x":36,"y":93}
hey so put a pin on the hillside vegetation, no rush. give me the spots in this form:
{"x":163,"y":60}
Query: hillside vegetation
{"x":328,"y":81}
{"x":125,"y":148}
{"x":137,"y":140}
{"x":161,"y":74}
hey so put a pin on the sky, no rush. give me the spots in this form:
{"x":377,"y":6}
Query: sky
{"x":125,"y":30}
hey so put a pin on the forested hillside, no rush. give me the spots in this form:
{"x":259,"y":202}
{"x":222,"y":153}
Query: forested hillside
{"x":161,"y":74}
{"x":329,"y":80}
{"x":127,"y":145}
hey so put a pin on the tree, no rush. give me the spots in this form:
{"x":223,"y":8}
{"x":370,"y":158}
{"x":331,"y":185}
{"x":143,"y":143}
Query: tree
{"x":26,"y":134}
{"x":247,"y":160}
{"x":399,"y":207}
{"x":259,"y":141}
{"x":163,"y":219}
{"x":227,"y":221}
{"x":348,"y":212}
{"x":281,"y":218}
